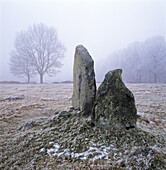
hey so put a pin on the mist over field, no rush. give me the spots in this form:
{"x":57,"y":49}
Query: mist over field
{"x":82,"y":84}
{"x":103,"y":27}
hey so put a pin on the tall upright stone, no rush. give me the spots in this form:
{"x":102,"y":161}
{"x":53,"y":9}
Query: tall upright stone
{"x":115,"y":104}
{"x":84,"y":84}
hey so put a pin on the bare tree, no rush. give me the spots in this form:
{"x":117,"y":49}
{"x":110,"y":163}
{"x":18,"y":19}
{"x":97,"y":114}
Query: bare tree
{"x":154,"y":54}
{"x":20,"y":62}
{"x":142,"y":61}
{"x":41,"y":45}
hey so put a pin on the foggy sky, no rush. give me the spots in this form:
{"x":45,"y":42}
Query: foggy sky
{"x":102,"y":26}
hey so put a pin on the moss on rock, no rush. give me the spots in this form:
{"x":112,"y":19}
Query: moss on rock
{"x":115,"y":104}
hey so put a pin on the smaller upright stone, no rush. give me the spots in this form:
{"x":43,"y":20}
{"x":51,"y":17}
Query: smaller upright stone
{"x":84,"y":84}
{"x":115,"y":104}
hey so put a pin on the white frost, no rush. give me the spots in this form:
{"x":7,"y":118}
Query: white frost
{"x":42,"y":149}
{"x":99,"y":149}
{"x":53,"y":150}
{"x":141,"y":114}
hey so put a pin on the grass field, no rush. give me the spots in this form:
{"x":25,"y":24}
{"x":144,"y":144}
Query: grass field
{"x":23,"y":103}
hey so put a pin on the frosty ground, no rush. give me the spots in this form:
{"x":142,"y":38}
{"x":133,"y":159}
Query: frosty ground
{"x":30,"y":112}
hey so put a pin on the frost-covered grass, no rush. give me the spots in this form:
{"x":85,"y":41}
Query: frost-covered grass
{"x":35,"y":134}
{"x":31,"y":101}
{"x":69,"y":137}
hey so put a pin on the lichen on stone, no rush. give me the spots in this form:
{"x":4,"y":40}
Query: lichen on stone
{"x":84,"y":83}
{"x":115,"y":104}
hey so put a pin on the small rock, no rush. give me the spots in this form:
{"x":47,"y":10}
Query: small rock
{"x":64,"y":114}
{"x":28,"y":125}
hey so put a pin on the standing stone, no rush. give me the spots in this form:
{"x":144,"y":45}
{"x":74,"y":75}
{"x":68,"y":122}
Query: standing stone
{"x":84,"y":84}
{"x":115,"y":104}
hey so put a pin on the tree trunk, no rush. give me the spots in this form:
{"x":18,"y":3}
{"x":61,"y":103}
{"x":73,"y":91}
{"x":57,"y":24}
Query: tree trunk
{"x":41,"y":78}
{"x":155,"y":77}
{"x":28,"y":79}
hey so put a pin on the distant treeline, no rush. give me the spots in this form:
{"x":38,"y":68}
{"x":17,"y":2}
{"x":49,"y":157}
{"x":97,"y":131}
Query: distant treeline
{"x":142,"y":62}
{"x":10,"y":82}
{"x":62,"y":82}
{"x":17,"y":82}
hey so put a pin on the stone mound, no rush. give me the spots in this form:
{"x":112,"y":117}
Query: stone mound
{"x":67,"y":141}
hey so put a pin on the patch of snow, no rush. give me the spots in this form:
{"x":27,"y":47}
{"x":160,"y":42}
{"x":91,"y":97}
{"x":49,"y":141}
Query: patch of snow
{"x":42,"y":149}
{"x":141,"y":114}
{"x":99,"y":148}
{"x":53,"y":150}
{"x":51,"y":143}
{"x":151,"y":122}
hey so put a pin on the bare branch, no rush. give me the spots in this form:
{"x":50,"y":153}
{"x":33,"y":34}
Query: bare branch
{"x":40,"y":48}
